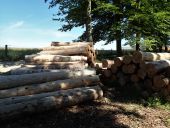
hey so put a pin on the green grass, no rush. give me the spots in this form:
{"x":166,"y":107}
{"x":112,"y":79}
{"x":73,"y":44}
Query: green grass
{"x":15,"y":54}
{"x":158,"y":102}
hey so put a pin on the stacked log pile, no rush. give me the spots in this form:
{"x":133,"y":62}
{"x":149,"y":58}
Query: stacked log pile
{"x":60,"y":55}
{"x":54,"y":78}
{"x":46,"y":90}
{"x":148,"y":72}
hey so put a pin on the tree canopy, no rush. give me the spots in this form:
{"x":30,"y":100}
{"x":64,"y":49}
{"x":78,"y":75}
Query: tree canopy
{"x":140,"y":22}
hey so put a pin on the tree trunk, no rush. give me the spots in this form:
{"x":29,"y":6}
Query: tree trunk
{"x":36,"y":78}
{"x":50,"y":86}
{"x":55,"y":100}
{"x":53,"y":58}
{"x":88,"y":22}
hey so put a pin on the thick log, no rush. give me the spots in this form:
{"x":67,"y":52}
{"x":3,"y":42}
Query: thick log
{"x":148,"y":84}
{"x":65,"y":47}
{"x":62,"y":65}
{"x":53,"y":100}
{"x":74,"y":51}
{"x":127,"y":59}
{"x":107,"y":63}
{"x":150,"y":56}
{"x":134,"y":78}
{"x":50,"y":86}
{"x":107,"y":73}
{"x":114,"y":68}
{"x":98,"y":65}
{"x":26,"y":70}
{"x":56,"y":43}
{"x":36,"y":78}
{"x":128,"y":69}
{"x":118,"y":61}
{"x":160,"y":81}
{"x":53,"y":58}
{"x":141,"y":73}
{"x":155,"y":67}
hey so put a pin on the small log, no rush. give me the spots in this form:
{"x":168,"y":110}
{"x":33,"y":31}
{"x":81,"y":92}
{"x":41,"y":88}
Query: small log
{"x":107,"y":63}
{"x":53,"y":58}
{"x":52,"y":48}
{"x":149,"y":56}
{"x":159,"y":81}
{"x":55,"y":100}
{"x":128,"y":69}
{"x":141,"y":73}
{"x":56,"y":43}
{"x":107,"y":73}
{"x":134,"y":78}
{"x":148,"y":84}
{"x":127,"y":59}
{"x":74,"y":51}
{"x":118,"y":61}
{"x":114,"y":68}
{"x":98,"y":65}
{"x":50,"y":86}
{"x":155,"y":67}
{"x":36,"y":78}
{"x":61,"y":65}
{"x":26,"y":70}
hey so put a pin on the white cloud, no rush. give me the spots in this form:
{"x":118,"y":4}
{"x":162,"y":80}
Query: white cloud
{"x":16,"y":25}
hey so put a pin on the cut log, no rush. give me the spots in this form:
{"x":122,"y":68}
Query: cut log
{"x":134,"y":78}
{"x":159,"y":81}
{"x":155,"y":67}
{"x":74,"y":51}
{"x":148,"y":84}
{"x":55,"y":43}
{"x":36,"y":78}
{"x":137,"y":57}
{"x":98,"y":65}
{"x":141,"y":73}
{"x":149,"y":56}
{"x":26,"y":70}
{"x":118,"y":61}
{"x":107,"y":73}
{"x":128,"y":69}
{"x":50,"y":86}
{"x":53,"y":58}
{"x":65,"y":47}
{"x":127,"y":59}
{"x":107,"y":63}
{"x":114,"y":68}
{"x":55,"y":100}
{"x":61,"y":65}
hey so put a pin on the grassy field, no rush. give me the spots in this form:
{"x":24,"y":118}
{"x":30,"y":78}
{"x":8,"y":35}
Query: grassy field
{"x":15,"y":54}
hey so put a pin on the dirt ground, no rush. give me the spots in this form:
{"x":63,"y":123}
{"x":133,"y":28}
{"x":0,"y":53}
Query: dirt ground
{"x":112,"y":111}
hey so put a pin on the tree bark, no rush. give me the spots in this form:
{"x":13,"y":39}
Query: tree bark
{"x":50,"y":86}
{"x":55,"y":100}
{"x":36,"y":78}
{"x":53,"y":58}
{"x":74,"y":51}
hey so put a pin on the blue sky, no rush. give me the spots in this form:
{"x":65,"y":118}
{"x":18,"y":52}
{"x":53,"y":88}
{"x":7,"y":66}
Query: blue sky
{"x":28,"y":23}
